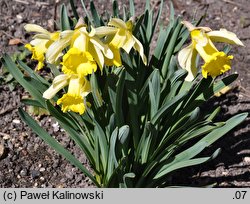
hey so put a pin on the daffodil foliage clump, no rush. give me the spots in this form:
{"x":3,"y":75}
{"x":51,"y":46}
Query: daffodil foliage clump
{"x":131,"y":107}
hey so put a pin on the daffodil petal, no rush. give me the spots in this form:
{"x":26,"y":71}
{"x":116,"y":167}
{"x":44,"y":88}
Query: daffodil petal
{"x":191,"y":27}
{"x":86,"y":88}
{"x":116,"y":59}
{"x":186,"y":58}
{"x":37,"y":42}
{"x":199,"y":37}
{"x":75,"y":84}
{"x":81,"y":42}
{"x":129,"y":43}
{"x":116,"y":22}
{"x":225,"y":36}
{"x":66,"y":34}
{"x":103,"y":31}
{"x":104,"y":48}
{"x":119,"y":39}
{"x":97,"y":55}
{"x":35,"y":28}
{"x":41,"y":36}
{"x":55,"y":49}
{"x":58,"y":83}
{"x":138,"y":47}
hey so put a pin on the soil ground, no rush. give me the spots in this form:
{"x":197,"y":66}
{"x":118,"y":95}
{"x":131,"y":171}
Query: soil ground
{"x":28,"y":162}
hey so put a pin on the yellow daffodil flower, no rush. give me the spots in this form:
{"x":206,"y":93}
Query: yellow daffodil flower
{"x":74,"y":99}
{"x":42,"y":40}
{"x":119,"y":34}
{"x":77,"y":62}
{"x":83,"y":41}
{"x":215,"y":62}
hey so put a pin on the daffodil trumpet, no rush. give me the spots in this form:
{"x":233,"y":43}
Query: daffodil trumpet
{"x":75,"y":99}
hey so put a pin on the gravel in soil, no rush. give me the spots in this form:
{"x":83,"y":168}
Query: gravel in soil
{"x":26,"y":161}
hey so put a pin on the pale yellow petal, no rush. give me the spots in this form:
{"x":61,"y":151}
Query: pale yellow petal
{"x":97,"y":55}
{"x":199,"y":37}
{"x":37,"y":42}
{"x":186,"y":58}
{"x":35,"y":28}
{"x":81,"y":42}
{"x":225,"y":36}
{"x":138,"y":47}
{"x":80,"y":23}
{"x":55,"y":49}
{"x":101,"y":46}
{"x":102,"y":31}
{"x":86,"y":88}
{"x":58,"y":83}
{"x":129,"y":43}
{"x":116,"y":22}
{"x":119,"y":39}
{"x":41,"y":36}
{"x":191,"y":27}
{"x":75,"y":84}
{"x":66,"y":34}
{"x":116,"y":59}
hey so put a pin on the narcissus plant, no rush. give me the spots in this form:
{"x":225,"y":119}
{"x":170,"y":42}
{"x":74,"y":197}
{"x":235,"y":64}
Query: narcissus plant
{"x":132,"y":110}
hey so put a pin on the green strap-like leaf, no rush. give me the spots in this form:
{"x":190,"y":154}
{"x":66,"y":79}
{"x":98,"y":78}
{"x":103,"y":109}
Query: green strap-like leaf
{"x":31,"y":102}
{"x":72,"y":4}
{"x":185,"y":163}
{"x":95,"y":90}
{"x":119,"y":99}
{"x":205,"y":142}
{"x":64,"y":19}
{"x":97,"y":20}
{"x":168,"y":107}
{"x":54,"y":144}
{"x":170,"y":49}
{"x":115,"y":9}
{"x":132,"y":7}
{"x":71,"y":128}
{"x":32,"y":73}
{"x":18,"y":75}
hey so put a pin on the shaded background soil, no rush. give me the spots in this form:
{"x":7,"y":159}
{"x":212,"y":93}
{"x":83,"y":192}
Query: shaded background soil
{"x":26,"y":161}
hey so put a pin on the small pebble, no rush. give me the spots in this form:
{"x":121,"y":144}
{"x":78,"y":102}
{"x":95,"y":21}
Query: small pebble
{"x":42,"y":169}
{"x":19,"y":18}
{"x":55,"y":127}
{"x":6,"y":137}
{"x":35,"y":174}
{"x":23,"y":172}
{"x":16,"y":121}
{"x":247,"y":160}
